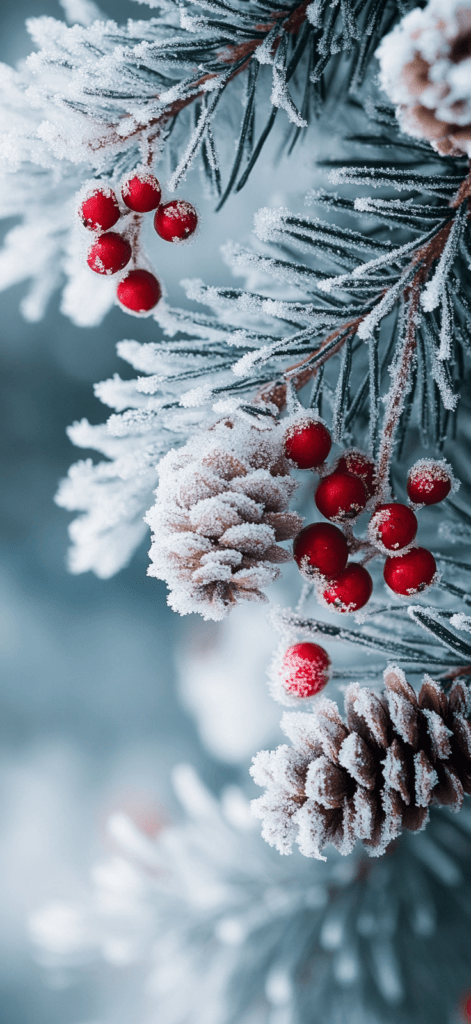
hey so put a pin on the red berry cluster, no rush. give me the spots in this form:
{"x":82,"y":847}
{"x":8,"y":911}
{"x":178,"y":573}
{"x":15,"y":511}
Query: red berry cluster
{"x":139,"y":291}
{"x":342,"y":494}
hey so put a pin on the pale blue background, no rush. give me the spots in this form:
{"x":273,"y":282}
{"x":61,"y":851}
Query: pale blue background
{"x":90,"y":719}
{"x":89,"y":716}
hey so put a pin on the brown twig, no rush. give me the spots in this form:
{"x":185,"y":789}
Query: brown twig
{"x":276,"y":392}
{"x":399,"y":390}
{"x":425,"y":257}
{"x":454,"y":673}
{"x":231,"y":55}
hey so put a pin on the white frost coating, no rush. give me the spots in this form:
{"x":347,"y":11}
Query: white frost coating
{"x":112,"y":495}
{"x":222,"y":505}
{"x":314,"y":12}
{"x":268,"y":221}
{"x":196,"y":396}
{"x":433,"y":291}
{"x":366,"y":268}
{"x":461,"y":621}
{"x":425,"y":65}
{"x":280,"y":95}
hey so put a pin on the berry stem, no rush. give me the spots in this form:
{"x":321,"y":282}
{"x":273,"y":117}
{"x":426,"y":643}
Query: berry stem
{"x":132,"y":232}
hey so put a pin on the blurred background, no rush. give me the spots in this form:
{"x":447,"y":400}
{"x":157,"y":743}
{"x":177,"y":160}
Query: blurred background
{"x":103,"y":688}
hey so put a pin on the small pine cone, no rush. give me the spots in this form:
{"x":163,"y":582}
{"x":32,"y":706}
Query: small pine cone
{"x":221,"y":509}
{"x":370,"y":777}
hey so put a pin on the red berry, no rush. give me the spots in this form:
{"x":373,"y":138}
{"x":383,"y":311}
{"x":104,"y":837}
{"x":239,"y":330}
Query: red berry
{"x":393,"y":525}
{"x":428,"y":482}
{"x":341,"y":496}
{"x":307,"y":443}
{"x":410,"y":573}
{"x":141,"y":192}
{"x":355,"y":462}
{"x":175,"y":220}
{"x":305,"y":669}
{"x":109,"y":253}
{"x":350,"y":590}
{"x":467,"y":1009}
{"x":321,"y":546}
{"x":100,"y":211}
{"x":139,"y":291}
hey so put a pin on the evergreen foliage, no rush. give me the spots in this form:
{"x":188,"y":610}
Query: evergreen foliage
{"x":358,"y":311}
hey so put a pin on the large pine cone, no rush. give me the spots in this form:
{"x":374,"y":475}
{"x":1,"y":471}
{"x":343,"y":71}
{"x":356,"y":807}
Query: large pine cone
{"x":369,"y":779}
{"x":222,"y":505}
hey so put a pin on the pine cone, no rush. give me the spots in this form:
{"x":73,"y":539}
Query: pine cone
{"x":421,"y":71}
{"x":222,"y":505}
{"x":369,"y":779}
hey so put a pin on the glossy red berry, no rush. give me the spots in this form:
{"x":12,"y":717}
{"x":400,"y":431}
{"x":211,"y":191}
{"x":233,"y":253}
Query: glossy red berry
{"x":341,"y":496}
{"x":428,"y":482}
{"x":305,"y":669}
{"x":393,"y":525}
{"x":410,"y":573}
{"x":110,"y":253}
{"x":350,"y":590}
{"x":176,"y":220}
{"x":141,"y":192}
{"x":139,"y":291}
{"x":100,"y":211}
{"x":307,"y":443}
{"x":321,"y":547}
{"x":356,"y":462}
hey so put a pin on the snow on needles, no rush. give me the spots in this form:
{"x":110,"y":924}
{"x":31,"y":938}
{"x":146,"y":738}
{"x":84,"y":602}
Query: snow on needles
{"x":112,"y":495}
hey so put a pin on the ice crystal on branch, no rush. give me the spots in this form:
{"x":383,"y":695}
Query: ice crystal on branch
{"x":221,"y":509}
{"x":371,"y":776}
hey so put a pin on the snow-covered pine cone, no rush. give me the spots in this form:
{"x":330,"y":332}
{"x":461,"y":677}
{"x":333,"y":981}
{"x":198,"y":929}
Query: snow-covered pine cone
{"x":221,"y":508}
{"x":370,"y":778}
{"x":424,"y":68}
